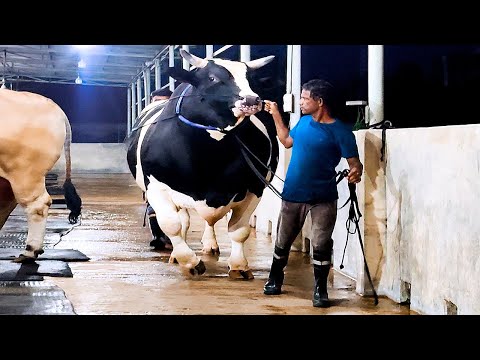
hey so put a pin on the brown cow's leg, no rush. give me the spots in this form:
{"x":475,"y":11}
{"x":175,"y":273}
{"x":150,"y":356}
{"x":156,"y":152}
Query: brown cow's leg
{"x":7,"y":201}
{"x":32,"y":195}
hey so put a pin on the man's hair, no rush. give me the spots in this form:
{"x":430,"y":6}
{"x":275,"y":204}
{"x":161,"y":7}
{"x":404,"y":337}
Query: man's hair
{"x":323,"y":89}
{"x":161,"y":92}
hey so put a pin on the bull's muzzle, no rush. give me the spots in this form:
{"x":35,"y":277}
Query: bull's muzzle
{"x":251,"y":100}
{"x":248,"y":105}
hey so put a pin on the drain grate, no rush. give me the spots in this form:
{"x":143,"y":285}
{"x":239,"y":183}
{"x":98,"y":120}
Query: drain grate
{"x":17,"y":240}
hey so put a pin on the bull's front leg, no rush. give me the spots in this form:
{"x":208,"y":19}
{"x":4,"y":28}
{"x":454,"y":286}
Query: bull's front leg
{"x":32,"y":195}
{"x":174,"y":222}
{"x":238,"y":232}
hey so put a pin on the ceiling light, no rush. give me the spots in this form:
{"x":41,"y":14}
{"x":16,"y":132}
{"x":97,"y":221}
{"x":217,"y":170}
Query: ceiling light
{"x":78,"y":80}
{"x":83,"y":47}
{"x":3,"y":84}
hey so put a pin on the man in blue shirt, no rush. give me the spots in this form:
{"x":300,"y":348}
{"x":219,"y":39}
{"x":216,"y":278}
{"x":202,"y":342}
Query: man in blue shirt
{"x":319,"y":141}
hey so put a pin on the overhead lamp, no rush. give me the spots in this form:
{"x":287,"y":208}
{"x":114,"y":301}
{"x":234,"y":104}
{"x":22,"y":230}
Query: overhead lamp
{"x":83,"y":47}
{"x":3,"y":84}
{"x":78,"y":80}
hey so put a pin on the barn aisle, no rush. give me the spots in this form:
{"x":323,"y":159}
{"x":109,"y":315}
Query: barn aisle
{"x":125,"y":276}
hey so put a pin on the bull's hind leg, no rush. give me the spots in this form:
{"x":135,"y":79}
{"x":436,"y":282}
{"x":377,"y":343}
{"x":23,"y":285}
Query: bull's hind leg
{"x":238,"y":231}
{"x":209,"y":240}
{"x":172,"y":221}
{"x":7,"y":201}
{"x":185,"y":221}
{"x":31,"y":194}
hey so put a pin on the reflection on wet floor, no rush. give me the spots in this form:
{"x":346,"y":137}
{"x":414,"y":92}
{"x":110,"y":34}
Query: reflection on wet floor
{"x":125,"y":276}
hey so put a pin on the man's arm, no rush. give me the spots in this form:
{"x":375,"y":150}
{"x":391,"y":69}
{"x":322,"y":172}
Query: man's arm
{"x":283,"y":132}
{"x":356,"y":170}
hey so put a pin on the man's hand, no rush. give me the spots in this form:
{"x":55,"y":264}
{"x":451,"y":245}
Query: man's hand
{"x":271,"y":107}
{"x":356,"y":170}
{"x":283,"y":132}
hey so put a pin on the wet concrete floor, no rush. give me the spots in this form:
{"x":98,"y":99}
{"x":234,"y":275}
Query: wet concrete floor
{"x":125,"y":276}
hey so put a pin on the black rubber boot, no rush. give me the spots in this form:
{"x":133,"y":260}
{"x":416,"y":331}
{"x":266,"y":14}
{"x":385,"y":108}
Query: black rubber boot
{"x":273,"y":286}
{"x":320,"y":294}
{"x":159,"y":239}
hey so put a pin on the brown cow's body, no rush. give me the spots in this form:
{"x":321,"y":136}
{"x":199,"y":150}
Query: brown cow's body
{"x":33,"y":132}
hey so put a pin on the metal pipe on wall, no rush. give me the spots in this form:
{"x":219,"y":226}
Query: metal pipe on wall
{"x":171,"y":63}
{"x":375,"y":109}
{"x":209,"y":51}
{"x":146,"y":85}
{"x":185,"y":63}
{"x":129,"y":111}
{"x":245,"y":53}
{"x":139,"y":95}
{"x":134,"y":100}
{"x":158,"y":74}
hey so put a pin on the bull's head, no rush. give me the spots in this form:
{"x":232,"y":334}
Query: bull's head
{"x":221,"y":90}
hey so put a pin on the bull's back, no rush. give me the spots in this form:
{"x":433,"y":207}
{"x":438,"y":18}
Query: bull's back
{"x":33,"y":131}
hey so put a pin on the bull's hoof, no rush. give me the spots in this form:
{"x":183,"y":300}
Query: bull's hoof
{"x":24,"y":259}
{"x":200,"y":268}
{"x":240,"y":274}
{"x":172,"y":260}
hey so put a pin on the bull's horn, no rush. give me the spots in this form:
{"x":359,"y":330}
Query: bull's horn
{"x":193,"y":60}
{"x":258,"y":63}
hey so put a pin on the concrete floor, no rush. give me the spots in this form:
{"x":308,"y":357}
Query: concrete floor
{"x":125,"y":276}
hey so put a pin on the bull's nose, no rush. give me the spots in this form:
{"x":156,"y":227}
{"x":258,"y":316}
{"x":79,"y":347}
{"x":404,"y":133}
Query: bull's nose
{"x":252,"y":100}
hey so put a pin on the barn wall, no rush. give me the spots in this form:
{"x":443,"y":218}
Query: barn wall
{"x":92,"y":158}
{"x":432,"y":201}
{"x":97,"y":114}
{"x":419,"y":227}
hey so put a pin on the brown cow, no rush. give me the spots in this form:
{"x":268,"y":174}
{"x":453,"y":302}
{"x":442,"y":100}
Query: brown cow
{"x":33,"y":131}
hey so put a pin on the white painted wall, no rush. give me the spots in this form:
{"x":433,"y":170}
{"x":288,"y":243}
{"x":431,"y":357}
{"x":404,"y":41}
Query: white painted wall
{"x":95,"y":158}
{"x":419,"y":225}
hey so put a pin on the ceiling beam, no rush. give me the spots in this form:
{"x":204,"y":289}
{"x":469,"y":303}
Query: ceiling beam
{"x":69,"y":50}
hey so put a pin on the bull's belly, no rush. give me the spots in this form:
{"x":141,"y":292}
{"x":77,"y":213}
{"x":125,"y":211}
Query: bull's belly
{"x":180,"y":200}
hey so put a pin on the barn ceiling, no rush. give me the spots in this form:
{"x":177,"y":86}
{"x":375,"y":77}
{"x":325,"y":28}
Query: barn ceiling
{"x":106,"y":65}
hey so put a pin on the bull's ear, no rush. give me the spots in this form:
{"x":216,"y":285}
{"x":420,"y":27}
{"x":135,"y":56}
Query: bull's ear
{"x":182,"y":75}
{"x":193,"y":60}
{"x":258,"y":63}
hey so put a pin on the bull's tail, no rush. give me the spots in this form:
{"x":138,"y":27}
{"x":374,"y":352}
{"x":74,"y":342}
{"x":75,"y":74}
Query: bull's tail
{"x":72,"y":199}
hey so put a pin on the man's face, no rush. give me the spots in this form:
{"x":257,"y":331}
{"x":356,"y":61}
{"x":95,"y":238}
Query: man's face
{"x":157,"y":98}
{"x":307,"y":104}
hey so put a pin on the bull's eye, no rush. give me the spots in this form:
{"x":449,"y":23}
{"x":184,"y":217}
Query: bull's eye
{"x":211,"y":78}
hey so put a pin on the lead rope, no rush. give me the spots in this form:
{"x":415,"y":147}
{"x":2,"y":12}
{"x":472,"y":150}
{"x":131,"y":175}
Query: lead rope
{"x":354,"y":216}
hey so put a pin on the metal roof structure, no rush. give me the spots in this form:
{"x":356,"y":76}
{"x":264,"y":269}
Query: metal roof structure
{"x":105,"y":65}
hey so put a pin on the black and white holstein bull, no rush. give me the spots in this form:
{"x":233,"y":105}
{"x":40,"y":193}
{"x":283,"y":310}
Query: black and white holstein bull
{"x":195,"y":152}
{"x":33,"y":132}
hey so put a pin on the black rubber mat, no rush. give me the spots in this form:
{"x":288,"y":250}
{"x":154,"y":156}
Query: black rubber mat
{"x":33,"y":298}
{"x":55,"y":190}
{"x":49,"y":254}
{"x":11,"y":271}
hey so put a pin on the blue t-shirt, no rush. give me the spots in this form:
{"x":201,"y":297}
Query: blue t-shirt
{"x":317,"y":150}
